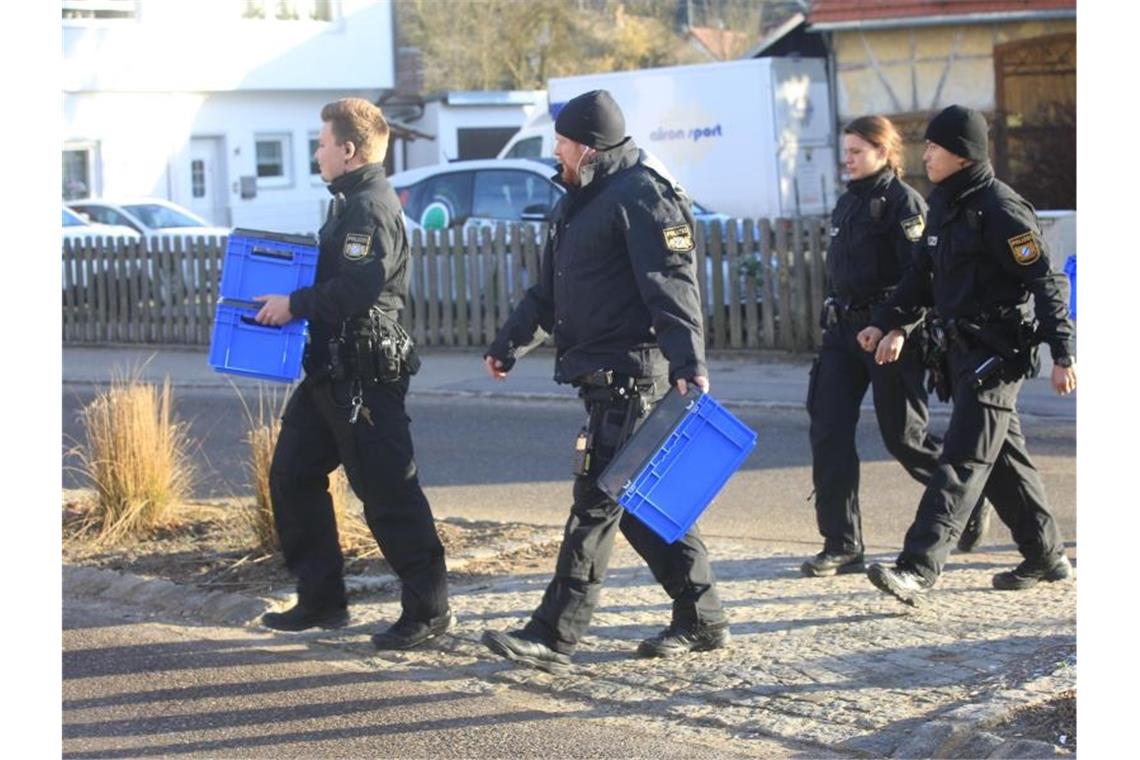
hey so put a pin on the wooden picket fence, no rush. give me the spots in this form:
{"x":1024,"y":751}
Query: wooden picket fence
{"x":463,"y":285}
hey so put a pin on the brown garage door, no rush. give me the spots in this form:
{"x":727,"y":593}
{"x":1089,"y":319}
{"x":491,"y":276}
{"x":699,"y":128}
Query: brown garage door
{"x":1035,"y":139}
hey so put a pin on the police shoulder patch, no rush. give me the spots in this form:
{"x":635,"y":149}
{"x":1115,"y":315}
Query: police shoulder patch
{"x":1025,"y":248}
{"x":913,"y":227}
{"x":357,"y":246}
{"x":679,"y":238}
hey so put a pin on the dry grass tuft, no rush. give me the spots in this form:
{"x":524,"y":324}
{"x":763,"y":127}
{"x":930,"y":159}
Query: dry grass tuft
{"x":264,"y":428}
{"x":136,"y":459}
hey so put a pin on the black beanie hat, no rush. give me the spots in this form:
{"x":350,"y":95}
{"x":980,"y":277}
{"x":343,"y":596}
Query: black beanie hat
{"x":592,"y":119}
{"x":962,"y":131}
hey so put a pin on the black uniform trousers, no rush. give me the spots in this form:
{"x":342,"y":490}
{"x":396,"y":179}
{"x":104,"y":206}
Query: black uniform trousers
{"x":839,"y":380}
{"x":378,"y":459}
{"x":682,"y":568}
{"x":984,"y":453}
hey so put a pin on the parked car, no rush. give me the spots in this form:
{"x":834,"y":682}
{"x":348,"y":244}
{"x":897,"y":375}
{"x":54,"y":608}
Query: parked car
{"x":156,"y":218}
{"x":75,"y":227}
{"x":151,"y":217}
{"x":479,"y":193}
{"x":488,"y":192}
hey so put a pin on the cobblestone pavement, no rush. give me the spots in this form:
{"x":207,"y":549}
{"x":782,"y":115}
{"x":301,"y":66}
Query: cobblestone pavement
{"x":828,"y":664}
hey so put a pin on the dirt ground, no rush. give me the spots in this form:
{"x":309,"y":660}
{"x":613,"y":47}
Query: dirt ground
{"x":210,"y":547}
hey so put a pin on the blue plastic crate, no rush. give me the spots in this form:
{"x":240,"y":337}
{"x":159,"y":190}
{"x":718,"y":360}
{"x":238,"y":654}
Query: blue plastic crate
{"x":240,"y":346}
{"x":676,"y":464}
{"x":1071,"y":273}
{"x":260,"y":263}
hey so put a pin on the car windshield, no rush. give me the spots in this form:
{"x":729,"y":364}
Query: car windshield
{"x":72,"y":219}
{"x":158,"y":217}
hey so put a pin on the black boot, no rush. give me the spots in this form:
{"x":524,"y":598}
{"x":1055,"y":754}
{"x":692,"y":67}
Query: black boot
{"x":520,"y":646}
{"x":406,"y":633}
{"x":1031,"y":571}
{"x":300,"y":617}
{"x":681,"y":639}
{"x":829,"y":563}
{"x":905,"y":585}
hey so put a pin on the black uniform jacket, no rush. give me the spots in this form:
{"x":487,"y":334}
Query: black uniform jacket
{"x":984,"y":255}
{"x":363,"y":259}
{"x":874,"y":229}
{"x":618,"y":285}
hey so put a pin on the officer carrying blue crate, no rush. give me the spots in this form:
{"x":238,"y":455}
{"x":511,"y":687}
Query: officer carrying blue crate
{"x":349,"y":408}
{"x":618,"y":292}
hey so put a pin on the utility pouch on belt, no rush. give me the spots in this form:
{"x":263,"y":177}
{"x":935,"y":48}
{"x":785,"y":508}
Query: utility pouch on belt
{"x":380,"y":350}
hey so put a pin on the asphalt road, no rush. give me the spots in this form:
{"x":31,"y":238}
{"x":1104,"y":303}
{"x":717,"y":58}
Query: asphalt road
{"x":136,"y":687}
{"x":501,"y":459}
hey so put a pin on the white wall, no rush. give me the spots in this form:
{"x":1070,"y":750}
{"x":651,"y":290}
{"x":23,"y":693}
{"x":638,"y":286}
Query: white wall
{"x":203,"y":45}
{"x":144,"y":139}
{"x":138,"y":90}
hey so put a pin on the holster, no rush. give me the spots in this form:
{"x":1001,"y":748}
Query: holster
{"x":615,"y":403}
{"x":1011,"y":343}
{"x":372,"y":349}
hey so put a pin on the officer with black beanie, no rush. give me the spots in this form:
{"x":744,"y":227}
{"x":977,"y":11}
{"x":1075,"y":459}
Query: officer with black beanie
{"x":618,"y":291}
{"x":983,"y":261}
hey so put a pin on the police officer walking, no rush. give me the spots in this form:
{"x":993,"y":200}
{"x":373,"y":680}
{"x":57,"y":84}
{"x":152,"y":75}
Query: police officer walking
{"x":983,"y":260}
{"x":349,"y":408}
{"x":618,"y":292}
{"x":874,"y":228}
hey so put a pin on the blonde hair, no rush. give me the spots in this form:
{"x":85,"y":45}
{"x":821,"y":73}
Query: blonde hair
{"x":360,"y":122}
{"x":880,"y":132}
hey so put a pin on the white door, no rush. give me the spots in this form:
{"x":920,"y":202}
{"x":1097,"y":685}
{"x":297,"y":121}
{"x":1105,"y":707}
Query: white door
{"x":204,"y":184}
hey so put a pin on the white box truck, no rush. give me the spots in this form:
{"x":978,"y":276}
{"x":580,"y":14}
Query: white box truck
{"x":750,"y":138}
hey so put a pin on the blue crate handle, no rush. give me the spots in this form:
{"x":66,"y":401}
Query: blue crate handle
{"x":254,"y":323}
{"x":272,"y":253}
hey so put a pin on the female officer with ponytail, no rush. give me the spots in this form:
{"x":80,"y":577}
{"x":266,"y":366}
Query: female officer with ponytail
{"x":874,"y":227}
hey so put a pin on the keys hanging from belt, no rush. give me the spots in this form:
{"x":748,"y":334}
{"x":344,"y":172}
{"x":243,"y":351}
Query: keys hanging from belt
{"x":358,"y":407}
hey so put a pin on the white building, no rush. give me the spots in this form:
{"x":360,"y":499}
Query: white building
{"x":467,"y":125}
{"x":214,"y":104}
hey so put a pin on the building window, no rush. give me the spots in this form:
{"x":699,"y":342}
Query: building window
{"x":273,"y":164}
{"x":100,"y":9}
{"x":78,"y":172}
{"x":314,"y":167}
{"x":288,"y":10}
{"x":198,"y":178}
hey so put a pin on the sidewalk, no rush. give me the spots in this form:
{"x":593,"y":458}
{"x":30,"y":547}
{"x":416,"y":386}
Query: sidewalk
{"x":763,"y":380}
{"x":831,"y":663}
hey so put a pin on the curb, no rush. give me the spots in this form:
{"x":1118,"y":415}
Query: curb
{"x":223,"y":607}
{"x":962,"y":732}
{"x":936,"y":410}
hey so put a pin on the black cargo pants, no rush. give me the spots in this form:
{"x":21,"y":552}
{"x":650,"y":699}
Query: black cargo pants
{"x":682,"y":568}
{"x":378,"y":458}
{"x":839,"y":379}
{"x":984,"y":452}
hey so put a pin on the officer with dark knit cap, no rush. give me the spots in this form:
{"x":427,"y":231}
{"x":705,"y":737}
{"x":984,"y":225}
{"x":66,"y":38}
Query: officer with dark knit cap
{"x":618,"y":291}
{"x":875,"y":226}
{"x":983,"y":262}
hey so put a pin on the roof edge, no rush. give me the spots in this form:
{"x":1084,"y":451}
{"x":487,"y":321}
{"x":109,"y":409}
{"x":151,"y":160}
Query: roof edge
{"x":941,"y":20}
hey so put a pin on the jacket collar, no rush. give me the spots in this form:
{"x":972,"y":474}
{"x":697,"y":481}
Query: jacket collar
{"x":872,"y":182}
{"x":960,"y":185}
{"x":349,"y":181}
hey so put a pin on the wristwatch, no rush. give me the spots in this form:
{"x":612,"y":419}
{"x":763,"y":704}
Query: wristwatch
{"x":1065,"y":361}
